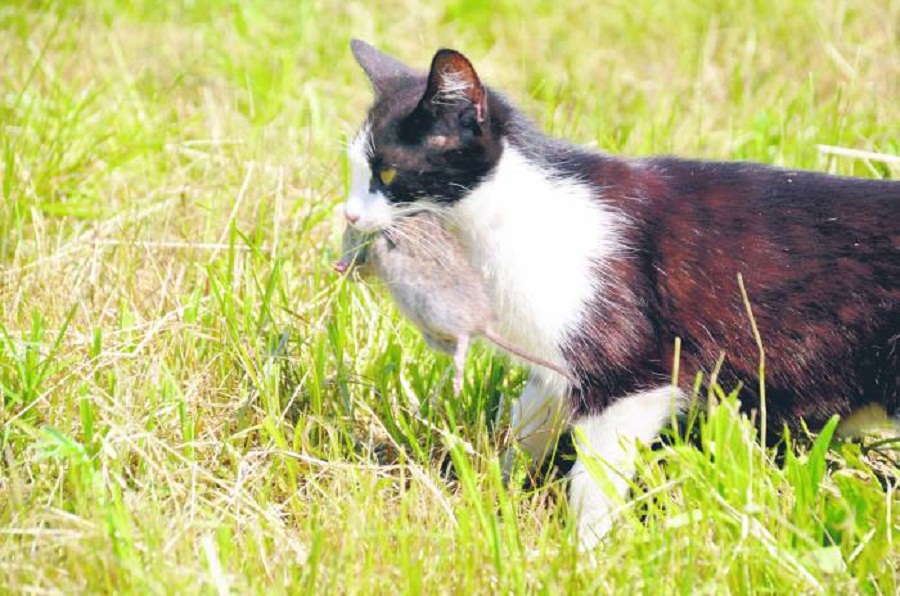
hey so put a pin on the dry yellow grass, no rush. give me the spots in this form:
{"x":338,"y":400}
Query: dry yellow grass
{"x":193,"y":402}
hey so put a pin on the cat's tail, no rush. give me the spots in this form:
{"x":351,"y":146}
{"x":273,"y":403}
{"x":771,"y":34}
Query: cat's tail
{"x":501,"y":342}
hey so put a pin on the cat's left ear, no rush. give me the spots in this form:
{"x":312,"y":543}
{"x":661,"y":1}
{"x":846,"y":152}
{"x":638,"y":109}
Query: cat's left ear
{"x":381,"y":68}
{"x":453,"y":84}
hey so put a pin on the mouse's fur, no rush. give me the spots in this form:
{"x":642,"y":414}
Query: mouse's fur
{"x":433,"y":283}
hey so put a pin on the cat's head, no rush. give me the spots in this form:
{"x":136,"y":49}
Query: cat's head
{"x":428,"y":140}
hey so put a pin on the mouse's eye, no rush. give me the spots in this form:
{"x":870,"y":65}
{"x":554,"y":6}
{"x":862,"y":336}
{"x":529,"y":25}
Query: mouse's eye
{"x":387,"y":175}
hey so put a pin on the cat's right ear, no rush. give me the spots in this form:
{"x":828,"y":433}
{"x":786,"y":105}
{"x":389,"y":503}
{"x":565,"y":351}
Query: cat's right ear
{"x":378,"y":66}
{"x":454,"y":85}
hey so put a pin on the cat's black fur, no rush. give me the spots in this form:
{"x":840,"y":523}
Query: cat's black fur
{"x":820,"y":256}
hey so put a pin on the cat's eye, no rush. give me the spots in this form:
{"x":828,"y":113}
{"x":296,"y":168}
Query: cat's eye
{"x":387,"y":175}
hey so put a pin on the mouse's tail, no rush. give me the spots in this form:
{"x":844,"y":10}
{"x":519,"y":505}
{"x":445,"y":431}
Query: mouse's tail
{"x":514,"y":349}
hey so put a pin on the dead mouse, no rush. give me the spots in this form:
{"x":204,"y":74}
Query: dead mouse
{"x":427,"y":274}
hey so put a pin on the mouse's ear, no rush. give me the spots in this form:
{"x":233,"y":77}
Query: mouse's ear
{"x":454,"y":85}
{"x":381,"y":68}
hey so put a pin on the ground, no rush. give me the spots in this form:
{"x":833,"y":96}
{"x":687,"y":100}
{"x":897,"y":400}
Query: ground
{"x":191,"y":401}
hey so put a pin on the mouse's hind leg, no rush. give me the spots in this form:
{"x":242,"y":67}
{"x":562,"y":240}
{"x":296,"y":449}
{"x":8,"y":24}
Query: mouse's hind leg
{"x":459,"y":360}
{"x":438,"y":344}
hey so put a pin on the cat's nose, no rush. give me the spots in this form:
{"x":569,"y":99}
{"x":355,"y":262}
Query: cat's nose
{"x":351,"y":216}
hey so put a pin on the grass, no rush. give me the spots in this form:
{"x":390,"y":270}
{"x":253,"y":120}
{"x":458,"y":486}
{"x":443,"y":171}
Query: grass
{"x":192,"y":402}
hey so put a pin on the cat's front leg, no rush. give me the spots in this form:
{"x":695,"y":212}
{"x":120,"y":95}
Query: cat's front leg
{"x":605,"y":464}
{"x":536,"y":420}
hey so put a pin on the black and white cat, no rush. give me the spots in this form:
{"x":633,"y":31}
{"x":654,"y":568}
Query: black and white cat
{"x":598,"y":263}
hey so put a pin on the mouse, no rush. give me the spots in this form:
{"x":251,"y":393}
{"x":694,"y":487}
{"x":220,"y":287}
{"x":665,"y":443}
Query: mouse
{"x":428,"y":275}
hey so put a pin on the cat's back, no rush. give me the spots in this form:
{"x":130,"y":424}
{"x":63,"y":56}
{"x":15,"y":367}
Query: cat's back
{"x":783,"y":196}
{"x":804,"y":241}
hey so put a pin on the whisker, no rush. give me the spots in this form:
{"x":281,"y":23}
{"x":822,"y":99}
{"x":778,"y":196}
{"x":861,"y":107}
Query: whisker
{"x":425,"y":233}
{"x":408,"y":229}
{"x":413,"y":234}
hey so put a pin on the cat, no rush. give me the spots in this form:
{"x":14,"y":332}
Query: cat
{"x":598,"y":263}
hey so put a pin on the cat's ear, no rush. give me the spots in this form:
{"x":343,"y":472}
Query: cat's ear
{"x":454,"y":84}
{"x":378,"y":66}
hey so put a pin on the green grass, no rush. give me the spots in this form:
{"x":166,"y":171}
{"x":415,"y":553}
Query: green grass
{"x":192,"y":402}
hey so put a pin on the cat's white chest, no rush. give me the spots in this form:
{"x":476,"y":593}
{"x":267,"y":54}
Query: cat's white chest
{"x":538,"y":241}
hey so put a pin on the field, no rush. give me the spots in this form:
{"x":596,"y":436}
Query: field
{"x":191,"y":401}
